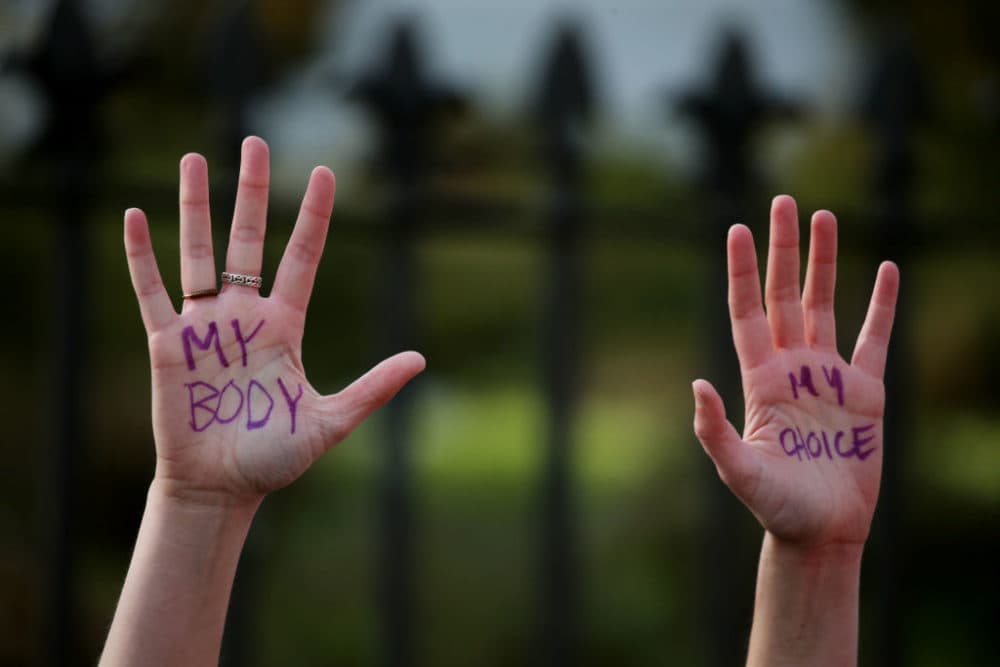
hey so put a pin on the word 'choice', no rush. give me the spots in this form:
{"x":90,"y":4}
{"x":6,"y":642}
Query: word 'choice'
{"x":816,"y":443}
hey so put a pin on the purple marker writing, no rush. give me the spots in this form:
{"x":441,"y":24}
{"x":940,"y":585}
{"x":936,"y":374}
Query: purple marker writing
{"x":211,"y":405}
{"x":188,"y":336}
{"x":257,"y":423}
{"x":814,"y":444}
{"x":243,"y":341}
{"x":836,"y":381}
{"x":292,"y":403}
{"x":804,"y":380}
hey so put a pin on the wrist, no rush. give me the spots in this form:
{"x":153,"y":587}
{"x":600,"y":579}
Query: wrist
{"x":806,"y":607}
{"x":176,"y":593}
{"x":186,"y":497}
{"x":819,"y":555}
{"x":203,"y":515}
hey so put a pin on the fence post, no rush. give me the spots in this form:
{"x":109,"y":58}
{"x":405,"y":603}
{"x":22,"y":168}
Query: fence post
{"x":234,"y":72}
{"x":233,"y":75}
{"x":894,"y":103}
{"x":66,"y":67}
{"x":564,"y":103}
{"x":405,"y":103}
{"x":727,"y":114}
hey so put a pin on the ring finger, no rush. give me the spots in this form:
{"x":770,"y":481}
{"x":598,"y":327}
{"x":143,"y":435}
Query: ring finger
{"x":197,"y":260}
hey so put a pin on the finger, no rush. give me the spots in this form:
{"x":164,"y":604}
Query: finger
{"x":751,"y":334}
{"x":873,"y":341}
{"x":297,"y":271}
{"x":246,"y":238}
{"x":781,"y":292}
{"x":369,"y":392}
{"x":154,"y":303}
{"x":197,"y":261}
{"x":733,"y":458}
{"x":821,"y":278}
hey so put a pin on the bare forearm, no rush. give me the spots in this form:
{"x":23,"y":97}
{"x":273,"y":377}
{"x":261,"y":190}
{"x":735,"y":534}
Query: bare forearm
{"x":173,"y":605}
{"x":806,"y":609}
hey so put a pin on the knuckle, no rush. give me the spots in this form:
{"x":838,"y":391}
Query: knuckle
{"x":247,"y":233}
{"x":253,"y":186}
{"x":149,"y":288}
{"x":199,"y":250}
{"x":303,"y":251}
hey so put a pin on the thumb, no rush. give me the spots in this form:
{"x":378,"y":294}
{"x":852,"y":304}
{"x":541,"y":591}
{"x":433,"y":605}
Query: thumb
{"x":352,"y":405}
{"x":732,"y":457}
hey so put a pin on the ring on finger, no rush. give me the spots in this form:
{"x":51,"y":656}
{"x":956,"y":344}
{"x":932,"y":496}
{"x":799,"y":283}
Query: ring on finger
{"x":242,"y":279}
{"x":202,"y":293}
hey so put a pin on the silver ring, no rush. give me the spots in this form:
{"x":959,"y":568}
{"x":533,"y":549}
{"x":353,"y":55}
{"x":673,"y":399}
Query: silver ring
{"x":241,"y":279}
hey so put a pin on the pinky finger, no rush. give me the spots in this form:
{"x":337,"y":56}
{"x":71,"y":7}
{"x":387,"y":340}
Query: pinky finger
{"x":873,"y":341}
{"x":154,"y":303}
{"x":732,"y":457}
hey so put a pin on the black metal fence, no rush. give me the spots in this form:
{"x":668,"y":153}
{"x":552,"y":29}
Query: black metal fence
{"x":407,"y":105}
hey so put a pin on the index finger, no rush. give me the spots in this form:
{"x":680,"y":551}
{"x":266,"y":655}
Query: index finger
{"x":873,"y":341}
{"x":297,"y":271}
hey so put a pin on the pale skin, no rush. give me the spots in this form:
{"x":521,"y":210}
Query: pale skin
{"x":816,"y":510}
{"x":209,"y":483}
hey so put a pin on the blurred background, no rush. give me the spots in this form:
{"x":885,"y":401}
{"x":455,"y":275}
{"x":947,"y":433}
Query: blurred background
{"x":535,"y":195}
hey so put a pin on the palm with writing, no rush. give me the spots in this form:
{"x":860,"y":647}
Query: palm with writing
{"x":809,"y":462}
{"x":233,"y":414}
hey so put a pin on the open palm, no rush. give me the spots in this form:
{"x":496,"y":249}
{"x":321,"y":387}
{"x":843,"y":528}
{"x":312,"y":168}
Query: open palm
{"x":234,"y":416}
{"x":810,"y":459}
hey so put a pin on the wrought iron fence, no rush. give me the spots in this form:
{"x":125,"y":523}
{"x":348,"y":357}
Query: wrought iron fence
{"x":405,"y":103}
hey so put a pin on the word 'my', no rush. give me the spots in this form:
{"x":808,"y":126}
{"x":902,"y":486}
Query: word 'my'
{"x":190,"y":337}
{"x":804,"y":381}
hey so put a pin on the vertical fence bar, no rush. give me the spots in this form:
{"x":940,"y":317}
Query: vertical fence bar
{"x":727,"y":114}
{"x":384,"y":93}
{"x":405,"y":102}
{"x":564,"y":103}
{"x":67,"y":70}
{"x":234,"y":75}
{"x":235,"y":60}
{"x":894,"y":103}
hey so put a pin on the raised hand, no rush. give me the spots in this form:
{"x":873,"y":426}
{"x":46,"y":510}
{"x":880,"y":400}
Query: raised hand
{"x":234,"y":416}
{"x":809,"y":462}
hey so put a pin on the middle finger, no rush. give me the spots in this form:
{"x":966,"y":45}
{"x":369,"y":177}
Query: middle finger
{"x":246,"y":239}
{"x":781,"y":292}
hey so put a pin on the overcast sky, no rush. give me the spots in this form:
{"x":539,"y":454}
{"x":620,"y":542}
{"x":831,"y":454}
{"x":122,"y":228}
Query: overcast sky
{"x":642,"y":50}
